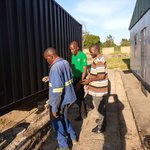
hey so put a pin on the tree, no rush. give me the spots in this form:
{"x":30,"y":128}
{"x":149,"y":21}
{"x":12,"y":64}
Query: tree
{"x":125,"y":42}
{"x":84,"y":36}
{"x":84,"y":32}
{"x":90,"y":39}
{"x":109,"y":42}
{"x":87,"y":38}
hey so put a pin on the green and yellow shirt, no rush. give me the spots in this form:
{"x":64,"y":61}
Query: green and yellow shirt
{"x":77,"y":63}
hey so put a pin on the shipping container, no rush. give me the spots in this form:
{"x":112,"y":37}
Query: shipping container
{"x":27,"y":28}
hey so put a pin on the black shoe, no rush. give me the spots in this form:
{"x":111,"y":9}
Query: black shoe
{"x":79,"y":118}
{"x":89,"y":108}
{"x":84,"y":115}
{"x":103,"y":128}
{"x":97,"y":130}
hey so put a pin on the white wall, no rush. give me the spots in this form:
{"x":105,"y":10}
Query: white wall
{"x":108,"y":50}
{"x":125,"y":49}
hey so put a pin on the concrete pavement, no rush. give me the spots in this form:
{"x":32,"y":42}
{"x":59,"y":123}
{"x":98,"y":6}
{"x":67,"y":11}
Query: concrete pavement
{"x":121,"y":130}
{"x":140,"y":105}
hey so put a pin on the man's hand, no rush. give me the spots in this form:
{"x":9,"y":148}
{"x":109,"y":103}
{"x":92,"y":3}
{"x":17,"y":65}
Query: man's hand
{"x":45,"y":79}
{"x":55,"y":114}
{"x":85,"y":82}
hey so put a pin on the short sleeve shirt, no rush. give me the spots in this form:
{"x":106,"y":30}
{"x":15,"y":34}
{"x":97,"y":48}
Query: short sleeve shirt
{"x":77,"y":63}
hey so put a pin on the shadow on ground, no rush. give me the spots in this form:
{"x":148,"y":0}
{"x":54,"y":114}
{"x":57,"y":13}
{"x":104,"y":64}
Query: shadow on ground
{"x":114,"y":137}
{"x":8,"y":135}
{"x":127,"y":62}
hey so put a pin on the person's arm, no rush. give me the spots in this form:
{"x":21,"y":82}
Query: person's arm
{"x":84,"y":64}
{"x":84,"y":72}
{"x":100,"y":73}
{"x":96,"y":78}
{"x":45,"y":79}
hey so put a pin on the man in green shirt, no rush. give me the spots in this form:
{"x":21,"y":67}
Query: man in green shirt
{"x":79,"y":69}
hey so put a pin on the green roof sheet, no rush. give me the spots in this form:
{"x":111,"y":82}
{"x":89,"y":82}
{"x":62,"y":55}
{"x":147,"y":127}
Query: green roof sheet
{"x":141,"y":7}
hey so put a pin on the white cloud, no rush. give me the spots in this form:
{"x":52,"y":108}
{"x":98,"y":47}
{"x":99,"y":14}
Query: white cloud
{"x":103,"y":13}
{"x":116,"y":23}
{"x":101,"y":8}
{"x":103,"y":17}
{"x":86,"y":21}
{"x":113,"y":23}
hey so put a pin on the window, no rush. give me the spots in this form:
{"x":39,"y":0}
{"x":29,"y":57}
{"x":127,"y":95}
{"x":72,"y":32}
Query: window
{"x":135,"y":39}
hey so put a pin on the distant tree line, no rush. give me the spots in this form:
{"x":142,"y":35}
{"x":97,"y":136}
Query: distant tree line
{"x":90,"y":39}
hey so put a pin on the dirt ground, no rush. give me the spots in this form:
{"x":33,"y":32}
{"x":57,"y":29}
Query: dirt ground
{"x":121,"y":132}
{"x":121,"y":129}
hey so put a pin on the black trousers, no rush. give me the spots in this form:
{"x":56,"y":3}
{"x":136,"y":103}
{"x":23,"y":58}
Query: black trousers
{"x":80,"y":97}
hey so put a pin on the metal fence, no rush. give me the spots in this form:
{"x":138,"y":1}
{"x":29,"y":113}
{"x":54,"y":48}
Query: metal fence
{"x":27,"y":28}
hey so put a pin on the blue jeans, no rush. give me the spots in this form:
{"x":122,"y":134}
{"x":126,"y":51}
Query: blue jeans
{"x":62,"y":127}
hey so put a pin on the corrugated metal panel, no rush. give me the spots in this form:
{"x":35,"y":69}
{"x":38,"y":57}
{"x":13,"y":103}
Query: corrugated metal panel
{"x":27,"y":28}
{"x":141,"y":7}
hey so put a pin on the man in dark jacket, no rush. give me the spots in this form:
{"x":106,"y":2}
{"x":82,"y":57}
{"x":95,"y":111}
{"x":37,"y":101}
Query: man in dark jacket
{"x":61,"y":96}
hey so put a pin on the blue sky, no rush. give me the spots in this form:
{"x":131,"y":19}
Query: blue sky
{"x":102,"y":17}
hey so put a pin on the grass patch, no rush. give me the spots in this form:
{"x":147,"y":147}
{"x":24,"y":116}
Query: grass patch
{"x":122,"y":63}
{"x":117,"y":50}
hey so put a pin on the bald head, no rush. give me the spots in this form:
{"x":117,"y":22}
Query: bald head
{"x":50,"y":51}
{"x":74,"y":47}
{"x":74,"y":43}
{"x":50,"y":54}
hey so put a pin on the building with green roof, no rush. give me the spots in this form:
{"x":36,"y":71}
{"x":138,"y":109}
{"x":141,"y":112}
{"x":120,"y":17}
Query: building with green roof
{"x":140,"y":41}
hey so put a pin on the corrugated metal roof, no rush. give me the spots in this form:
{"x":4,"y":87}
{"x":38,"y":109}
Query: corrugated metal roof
{"x":141,"y":7}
